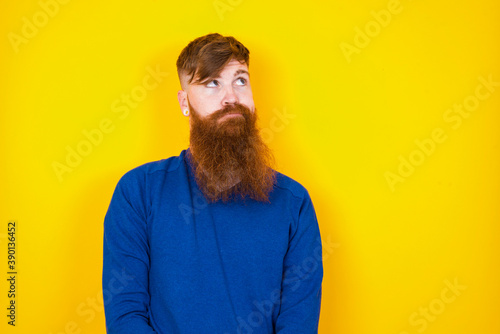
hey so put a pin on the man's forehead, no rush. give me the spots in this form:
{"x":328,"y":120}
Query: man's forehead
{"x":234,"y":68}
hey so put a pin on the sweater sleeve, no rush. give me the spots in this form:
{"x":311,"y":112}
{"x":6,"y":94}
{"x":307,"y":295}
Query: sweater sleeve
{"x":126,"y":259}
{"x":303,"y":276}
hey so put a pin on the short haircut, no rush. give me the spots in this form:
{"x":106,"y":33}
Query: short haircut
{"x":206,"y":56}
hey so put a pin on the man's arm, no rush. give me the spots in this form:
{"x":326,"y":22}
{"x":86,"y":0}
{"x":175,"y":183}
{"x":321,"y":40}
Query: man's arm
{"x":126,"y":260}
{"x":303,"y":275}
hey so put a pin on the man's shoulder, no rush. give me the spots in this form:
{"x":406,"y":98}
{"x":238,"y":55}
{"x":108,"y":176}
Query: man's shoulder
{"x":166,"y":165}
{"x":286,"y":183}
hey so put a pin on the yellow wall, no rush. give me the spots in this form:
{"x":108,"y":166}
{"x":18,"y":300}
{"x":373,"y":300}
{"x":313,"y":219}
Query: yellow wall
{"x":405,"y":183}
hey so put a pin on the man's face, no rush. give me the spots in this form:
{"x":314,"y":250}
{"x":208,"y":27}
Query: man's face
{"x":231,"y":87}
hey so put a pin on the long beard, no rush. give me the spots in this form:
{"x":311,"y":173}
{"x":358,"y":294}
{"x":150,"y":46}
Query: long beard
{"x":229,"y":158}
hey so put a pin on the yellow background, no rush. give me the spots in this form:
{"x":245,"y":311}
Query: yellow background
{"x":392,"y":248}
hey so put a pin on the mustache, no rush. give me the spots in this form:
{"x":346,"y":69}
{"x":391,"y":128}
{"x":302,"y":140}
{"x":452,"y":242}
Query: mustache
{"x":235,"y":108}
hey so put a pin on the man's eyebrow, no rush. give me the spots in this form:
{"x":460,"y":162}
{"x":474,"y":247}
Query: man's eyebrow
{"x":240,"y":71}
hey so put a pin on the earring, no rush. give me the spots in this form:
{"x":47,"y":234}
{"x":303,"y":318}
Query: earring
{"x":185,"y":112}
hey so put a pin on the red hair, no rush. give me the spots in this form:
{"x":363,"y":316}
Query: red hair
{"x":206,"y":56}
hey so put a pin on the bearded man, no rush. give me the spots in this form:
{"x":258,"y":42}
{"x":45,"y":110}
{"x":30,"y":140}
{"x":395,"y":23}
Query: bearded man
{"x":213,"y":240}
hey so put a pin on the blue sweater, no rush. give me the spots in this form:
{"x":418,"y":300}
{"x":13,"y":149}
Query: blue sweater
{"x":175,"y":264}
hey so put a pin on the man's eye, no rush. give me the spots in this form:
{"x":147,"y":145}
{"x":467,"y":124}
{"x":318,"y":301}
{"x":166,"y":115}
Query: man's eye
{"x":241,"y":81}
{"x":212,"y":83}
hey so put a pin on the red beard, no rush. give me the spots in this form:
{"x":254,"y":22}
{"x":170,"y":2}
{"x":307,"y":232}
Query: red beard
{"x":229,"y":158}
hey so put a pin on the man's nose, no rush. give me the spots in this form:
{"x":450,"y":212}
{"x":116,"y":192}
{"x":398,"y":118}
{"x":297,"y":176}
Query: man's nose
{"x":229,"y":96}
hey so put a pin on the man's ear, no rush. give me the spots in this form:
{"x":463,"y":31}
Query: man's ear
{"x":183,"y":100}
